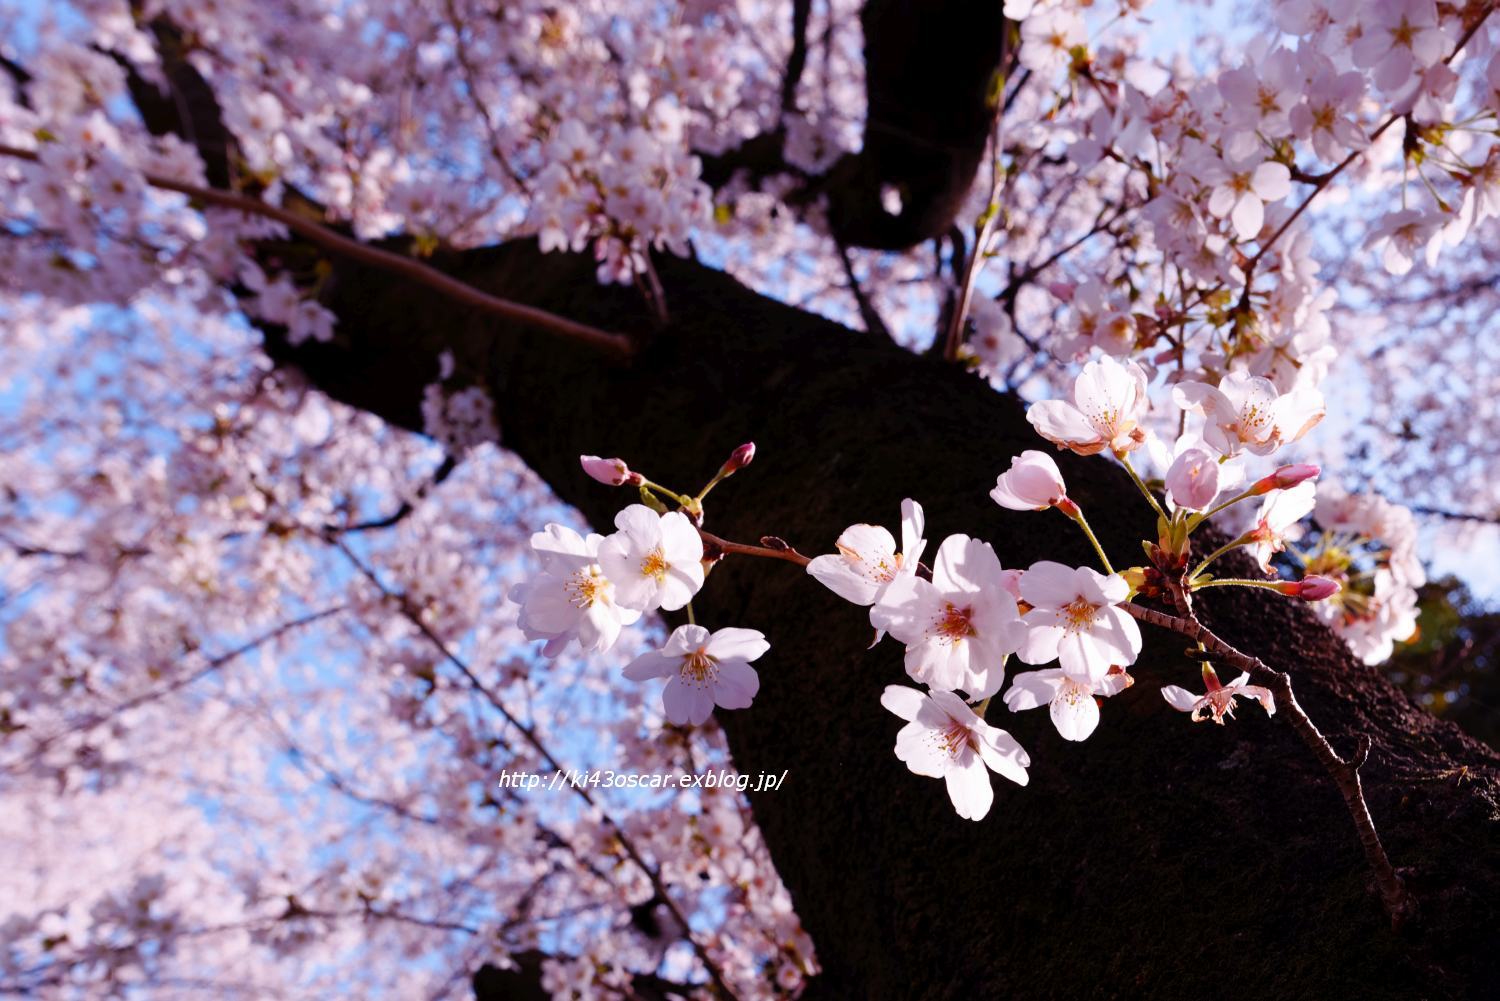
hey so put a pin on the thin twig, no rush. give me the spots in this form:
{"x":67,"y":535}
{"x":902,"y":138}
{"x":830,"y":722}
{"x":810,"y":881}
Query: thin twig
{"x":867,"y":311}
{"x":773,"y":549}
{"x":1399,"y":903}
{"x":314,"y":232}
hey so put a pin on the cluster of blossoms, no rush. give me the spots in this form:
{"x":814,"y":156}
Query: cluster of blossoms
{"x":964,"y":618}
{"x":1368,"y":545}
{"x":1154,"y":217}
{"x":589,"y":588}
{"x":962,"y":623}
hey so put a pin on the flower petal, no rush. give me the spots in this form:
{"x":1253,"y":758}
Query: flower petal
{"x":969,"y":789}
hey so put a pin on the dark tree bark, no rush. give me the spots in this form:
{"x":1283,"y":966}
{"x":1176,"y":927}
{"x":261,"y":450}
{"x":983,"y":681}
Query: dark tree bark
{"x":1158,"y":859}
{"x":930,"y":72}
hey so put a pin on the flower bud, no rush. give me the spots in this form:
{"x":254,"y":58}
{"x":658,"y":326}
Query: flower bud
{"x":1286,"y":476}
{"x":1032,"y":483}
{"x":739,"y":459}
{"x":1193,"y":480}
{"x":1310,"y":588}
{"x":610,"y":472}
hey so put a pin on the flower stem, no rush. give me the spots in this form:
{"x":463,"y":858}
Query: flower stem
{"x":1270,"y":585}
{"x":1083,"y":523}
{"x":1242,"y":540}
{"x":1199,"y":519}
{"x":1141,"y":486}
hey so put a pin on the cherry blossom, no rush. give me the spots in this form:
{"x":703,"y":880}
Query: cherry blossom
{"x":1278,"y":513}
{"x":1192,"y":481}
{"x":1048,"y":37}
{"x":1218,"y":701}
{"x":1243,"y":187}
{"x":705,"y":670}
{"x":1032,"y":483}
{"x":944,"y":739}
{"x":655,"y":561}
{"x":958,"y":627}
{"x":1246,"y":412}
{"x":610,"y":472}
{"x":571,"y":599}
{"x":1075,"y":620}
{"x":867,"y":562}
{"x":1109,"y":400}
{"x":1072,"y":701}
{"x":176,"y":491}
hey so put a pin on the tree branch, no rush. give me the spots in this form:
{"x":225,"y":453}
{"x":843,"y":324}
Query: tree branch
{"x":1399,"y":903}
{"x":616,"y":345}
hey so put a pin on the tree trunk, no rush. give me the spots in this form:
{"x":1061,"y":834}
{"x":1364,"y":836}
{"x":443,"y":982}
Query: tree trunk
{"x":1157,"y":859}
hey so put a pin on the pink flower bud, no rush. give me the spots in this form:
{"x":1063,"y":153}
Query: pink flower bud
{"x":1285,"y":477}
{"x":1310,"y":588}
{"x":740,"y":458}
{"x":1193,"y":480}
{"x":610,"y":472}
{"x":1032,"y":483}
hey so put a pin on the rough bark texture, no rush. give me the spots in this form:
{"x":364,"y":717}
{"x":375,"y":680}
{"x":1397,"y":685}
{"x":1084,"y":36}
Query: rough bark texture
{"x":1159,"y":859}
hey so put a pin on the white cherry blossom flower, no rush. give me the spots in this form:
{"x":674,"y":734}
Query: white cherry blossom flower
{"x":1246,"y":412}
{"x":705,"y":670}
{"x":571,"y":598}
{"x":1218,"y":701}
{"x":944,"y":739}
{"x":1048,"y":38}
{"x":1074,"y":710}
{"x":959,"y":626}
{"x":867,"y":562}
{"x":656,"y":561}
{"x":1109,"y":399}
{"x":1076,"y":620}
{"x":1278,"y":513}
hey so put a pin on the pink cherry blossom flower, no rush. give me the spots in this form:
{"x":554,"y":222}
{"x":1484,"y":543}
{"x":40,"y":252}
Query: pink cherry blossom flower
{"x":656,"y":561}
{"x":572,"y":598}
{"x":958,"y":627}
{"x":706,"y":670}
{"x":1109,"y":399}
{"x":1032,"y":483}
{"x":1075,"y":619}
{"x":1401,"y":235}
{"x":1192,"y":482}
{"x":1277,"y":514}
{"x":1247,"y":412}
{"x":1218,"y":701}
{"x":1326,"y":116}
{"x":1072,"y":701}
{"x":1397,"y":39}
{"x":1260,"y":97}
{"x":944,"y":739}
{"x":1243,"y":187}
{"x":867,"y":561}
